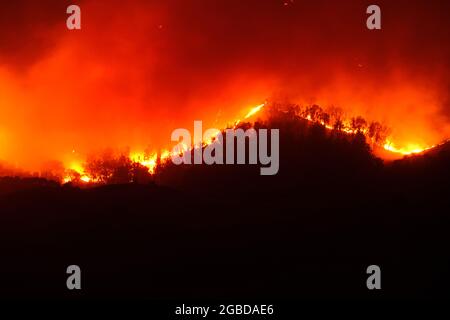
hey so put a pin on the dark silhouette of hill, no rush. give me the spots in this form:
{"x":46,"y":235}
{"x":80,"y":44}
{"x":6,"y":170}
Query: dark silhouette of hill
{"x":223,"y":231}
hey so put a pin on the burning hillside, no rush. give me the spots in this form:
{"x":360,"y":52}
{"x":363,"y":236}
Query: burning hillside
{"x":137,"y":70}
{"x":241,"y":150}
{"x":141,"y":165}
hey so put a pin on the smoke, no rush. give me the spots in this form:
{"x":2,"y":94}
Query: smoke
{"x":139,"y":69}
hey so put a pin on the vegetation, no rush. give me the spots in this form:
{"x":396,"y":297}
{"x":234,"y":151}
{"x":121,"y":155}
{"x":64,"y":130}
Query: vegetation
{"x":309,"y":231}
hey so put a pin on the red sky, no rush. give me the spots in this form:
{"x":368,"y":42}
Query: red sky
{"x":139,"y":69}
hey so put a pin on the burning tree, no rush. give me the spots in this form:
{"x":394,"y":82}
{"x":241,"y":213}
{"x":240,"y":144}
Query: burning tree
{"x":358,"y":124}
{"x":378,"y":133}
{"x":109,"y":167}
{"x":335,"y":119}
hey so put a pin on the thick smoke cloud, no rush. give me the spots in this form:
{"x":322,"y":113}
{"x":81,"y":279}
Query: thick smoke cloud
{"x":139,"y":69}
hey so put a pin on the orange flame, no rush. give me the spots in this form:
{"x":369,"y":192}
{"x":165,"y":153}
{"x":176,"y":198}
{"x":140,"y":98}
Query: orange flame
{"x":151,"y":161}
{"x":148,"y":161}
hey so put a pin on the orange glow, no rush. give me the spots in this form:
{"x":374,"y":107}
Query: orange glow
{"x":76,"y":171}
{"x":125,"y":82}
{"x":149,"y":162}
{"x":407,"y":149}
{"x":165,"y":154}
{"x":254,"y":110}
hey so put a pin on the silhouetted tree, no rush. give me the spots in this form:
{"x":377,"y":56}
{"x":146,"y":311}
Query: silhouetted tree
{"x":325,"y":118}
{"x":378,"y":133}
{"x":358,"y":124}
{"x":336,"y":118}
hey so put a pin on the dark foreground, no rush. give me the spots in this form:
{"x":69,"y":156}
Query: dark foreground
{"x":226,"y":232}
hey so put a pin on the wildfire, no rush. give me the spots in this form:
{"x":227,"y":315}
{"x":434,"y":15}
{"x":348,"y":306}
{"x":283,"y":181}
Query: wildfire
{"x":407,"y":150}
{"x":254,"y":110}
{"x":76,"y":171}
{"x":410,"y":148}
{"x":150,"y":162}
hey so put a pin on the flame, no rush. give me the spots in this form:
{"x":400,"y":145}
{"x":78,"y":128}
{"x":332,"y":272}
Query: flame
{"x":85,"y":178}
{"x":165,"y":154}
{"x":410,"y":148}
{"x":406,"y":150}
{"x":78,"y":169}
{"x":150,"y":161}
{"x":124,"y":88}
{"x":254,"y":110}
